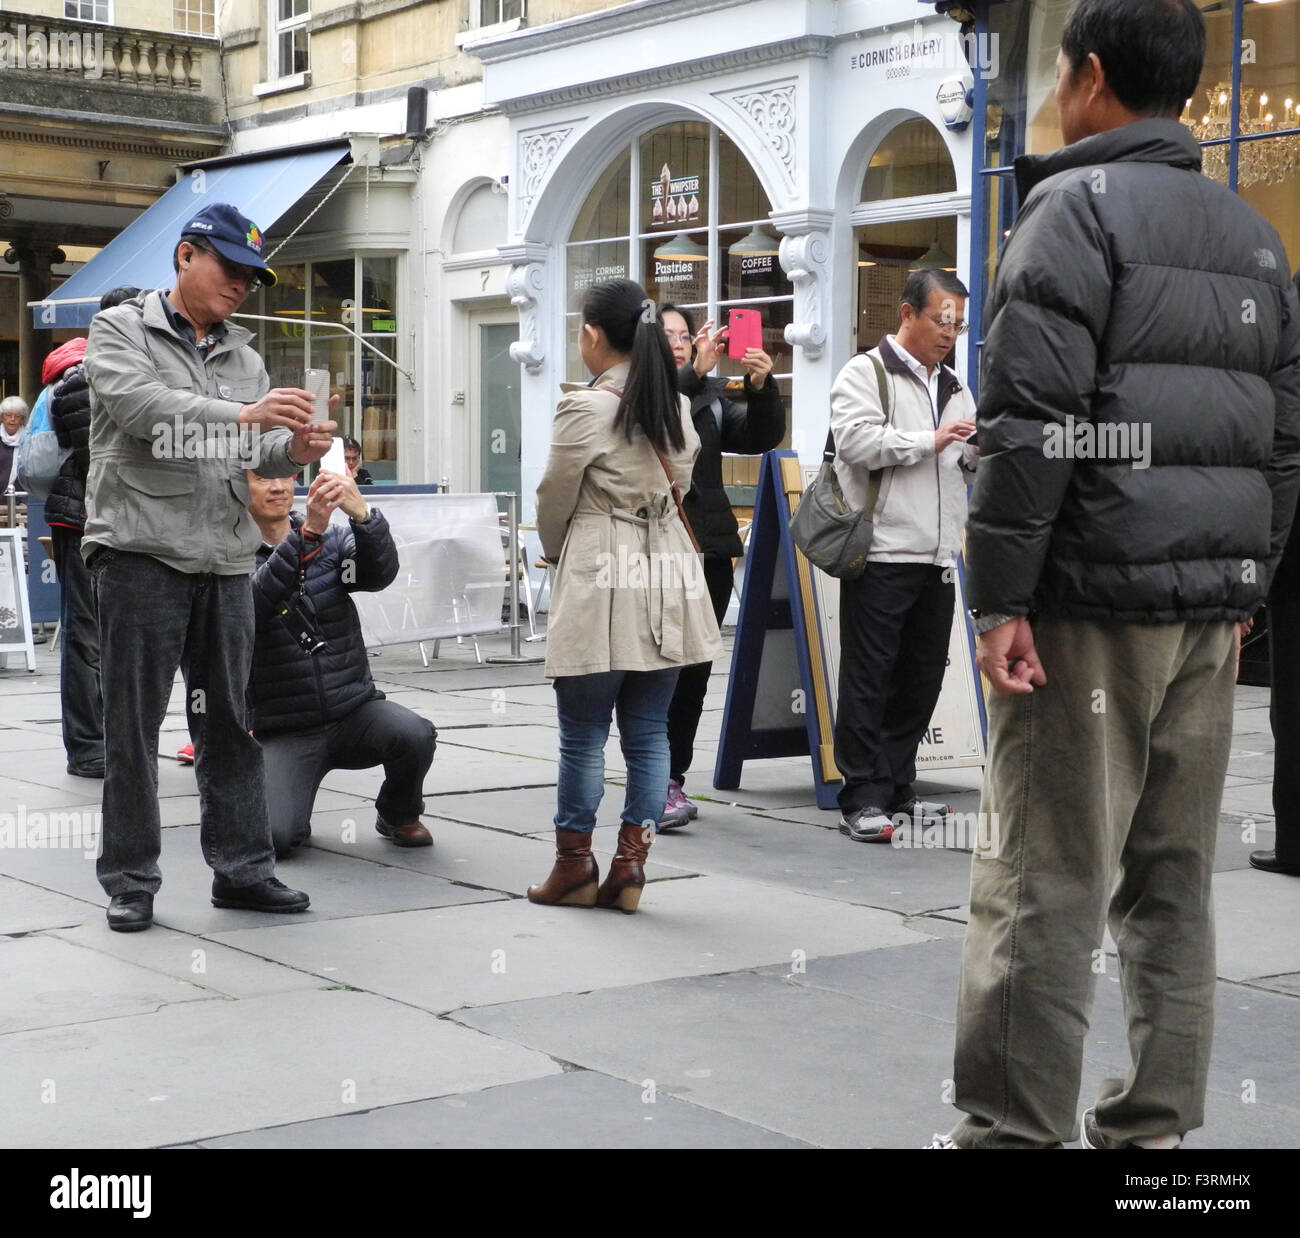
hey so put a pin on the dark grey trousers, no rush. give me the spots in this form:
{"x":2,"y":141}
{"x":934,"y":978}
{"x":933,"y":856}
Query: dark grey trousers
{"x":80,"y":696}
{"x":151,"y":621}
{"x":375,"y":733}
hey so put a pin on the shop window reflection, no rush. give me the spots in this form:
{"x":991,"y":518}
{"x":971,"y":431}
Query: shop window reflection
{"x":912,"y":160}
{"x":887,"y":254}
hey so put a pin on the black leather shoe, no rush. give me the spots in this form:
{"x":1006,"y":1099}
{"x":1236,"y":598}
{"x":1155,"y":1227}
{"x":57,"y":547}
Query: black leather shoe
{"x":1268,"y":862}
{"x":85,"y":771}
{"x":130,"y":912}
{"x":268,"y":895}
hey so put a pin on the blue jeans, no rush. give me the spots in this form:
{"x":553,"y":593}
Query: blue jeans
{"x":585,"y":704}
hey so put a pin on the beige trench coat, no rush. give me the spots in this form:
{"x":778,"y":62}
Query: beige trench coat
{"x":629,"y":591}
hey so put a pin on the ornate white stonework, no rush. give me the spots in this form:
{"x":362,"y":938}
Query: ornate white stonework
{"x":771,"y":110}
{"x":805,"y":251}
{"x":537,"y":151}
{"x":526,"y":285}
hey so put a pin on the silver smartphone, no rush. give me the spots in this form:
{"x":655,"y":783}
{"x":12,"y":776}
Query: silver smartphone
{"x":318,"y":383}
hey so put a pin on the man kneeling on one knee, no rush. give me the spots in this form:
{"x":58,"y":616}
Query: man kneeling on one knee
{"x":313,"y":704}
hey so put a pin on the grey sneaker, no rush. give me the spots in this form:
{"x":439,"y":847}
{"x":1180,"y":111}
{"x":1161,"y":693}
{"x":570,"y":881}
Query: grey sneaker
{"x":1091,"y":1137}
{"x":868,"y":825}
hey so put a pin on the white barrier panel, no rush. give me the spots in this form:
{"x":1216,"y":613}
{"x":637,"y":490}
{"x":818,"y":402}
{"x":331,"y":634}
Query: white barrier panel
{"x":452,"y":575}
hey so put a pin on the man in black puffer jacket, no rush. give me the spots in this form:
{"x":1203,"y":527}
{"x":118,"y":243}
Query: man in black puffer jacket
{"x":1139,"y":430}
{"x":317,"y":711}
{"x":723,"y":424}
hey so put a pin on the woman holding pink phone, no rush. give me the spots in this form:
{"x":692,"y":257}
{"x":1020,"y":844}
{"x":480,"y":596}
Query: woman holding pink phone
{"x":744,"y":427}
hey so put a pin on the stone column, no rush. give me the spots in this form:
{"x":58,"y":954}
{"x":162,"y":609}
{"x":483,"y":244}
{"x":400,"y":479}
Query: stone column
{"x":34,"y":259}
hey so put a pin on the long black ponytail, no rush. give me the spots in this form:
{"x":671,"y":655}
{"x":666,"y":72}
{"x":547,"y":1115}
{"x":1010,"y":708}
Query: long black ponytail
{"x":631,"y":324}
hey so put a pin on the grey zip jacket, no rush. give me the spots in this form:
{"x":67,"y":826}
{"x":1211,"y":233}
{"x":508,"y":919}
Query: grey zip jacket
{"x":167,"y":457}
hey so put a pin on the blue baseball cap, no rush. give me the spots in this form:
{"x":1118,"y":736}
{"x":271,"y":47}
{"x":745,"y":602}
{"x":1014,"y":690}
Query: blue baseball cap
{"x":234,"y":236}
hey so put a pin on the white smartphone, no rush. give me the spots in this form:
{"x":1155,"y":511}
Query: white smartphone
{"x":333,"y":461}
{"x":318,"y":383}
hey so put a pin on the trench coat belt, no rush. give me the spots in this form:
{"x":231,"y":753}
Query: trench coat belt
{"x":664,"y":572}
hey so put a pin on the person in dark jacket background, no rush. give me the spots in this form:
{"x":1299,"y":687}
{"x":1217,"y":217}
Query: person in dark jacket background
{"x":353,"y":459}
{"x":1284,"y":709}
{"x":723,"y":424}
{"x":1139,"y":428}
{"x":65,"y":513}
{"x":314,"y":712}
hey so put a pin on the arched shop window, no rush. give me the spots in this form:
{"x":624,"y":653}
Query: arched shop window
{"x":1252,"y":70}
{"x":681,"y":211}
{"x":911,"y":162}
{"x":360,"y":292}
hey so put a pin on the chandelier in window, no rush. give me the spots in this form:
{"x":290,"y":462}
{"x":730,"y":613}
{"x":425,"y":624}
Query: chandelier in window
{"x":1258,"y":162}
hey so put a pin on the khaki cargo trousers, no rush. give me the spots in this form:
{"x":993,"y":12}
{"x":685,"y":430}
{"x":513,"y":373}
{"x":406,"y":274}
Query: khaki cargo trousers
{"x":1106,"y":785}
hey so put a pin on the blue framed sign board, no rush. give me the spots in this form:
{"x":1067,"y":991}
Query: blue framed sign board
{"x":782,"y":694}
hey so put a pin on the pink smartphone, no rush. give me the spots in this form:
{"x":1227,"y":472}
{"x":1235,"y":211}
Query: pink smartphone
{"x":744,"y":331}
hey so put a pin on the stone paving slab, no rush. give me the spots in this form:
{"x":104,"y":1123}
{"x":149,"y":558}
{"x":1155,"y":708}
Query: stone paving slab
{"x":48,"y":983}
{"x":810,"y":1064}
{"x":1255,"y":800}
{"x":880,"y":1026}
{"x":503,"y":952}
{"x":21,"y":739}
{"x":338,"y":888}
{"x":68,"y":792}
{"x":474,"y":856}
{"x":214,"y":968}
{"x":202,"y":1069}
{"x":1246,"y":903}
{"x":454,"y":769}
{"x":184,"y":809}
{"x":577,"y":1109}
{"x":26,"y":908}
{"x":817,"y":861}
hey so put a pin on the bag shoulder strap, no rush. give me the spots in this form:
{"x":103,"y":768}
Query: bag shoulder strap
{"x":882,"y":385}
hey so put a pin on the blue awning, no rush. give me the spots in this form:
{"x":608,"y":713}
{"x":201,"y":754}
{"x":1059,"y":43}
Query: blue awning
{"x":262,"y":187}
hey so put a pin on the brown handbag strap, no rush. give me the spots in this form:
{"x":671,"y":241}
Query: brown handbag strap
{"x":673,"y":488}
{"x":676,"y":491}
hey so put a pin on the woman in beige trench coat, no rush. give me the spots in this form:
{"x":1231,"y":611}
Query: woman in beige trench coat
{"x":630,"y":605}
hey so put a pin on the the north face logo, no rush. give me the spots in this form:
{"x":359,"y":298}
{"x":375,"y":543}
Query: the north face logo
{"x":1267,"y":259}
{"x":255,"y":239}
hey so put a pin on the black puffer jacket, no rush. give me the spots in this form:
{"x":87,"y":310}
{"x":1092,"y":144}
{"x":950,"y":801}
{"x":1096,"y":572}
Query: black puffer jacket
{"x":70,"y":421}
{"x":289,"y":689}
{"x":1135,"y":292}
{"x":747,"y":429}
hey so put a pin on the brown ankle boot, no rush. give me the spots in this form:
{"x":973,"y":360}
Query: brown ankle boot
{"x":573,"y":879}
{"x":622,"y":887}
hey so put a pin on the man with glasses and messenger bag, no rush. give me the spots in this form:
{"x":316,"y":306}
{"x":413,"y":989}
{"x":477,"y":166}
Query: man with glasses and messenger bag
{"x":897,"y":412}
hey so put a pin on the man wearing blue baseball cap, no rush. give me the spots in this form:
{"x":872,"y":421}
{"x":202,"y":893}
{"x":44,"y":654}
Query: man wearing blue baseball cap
{"x":180,"y":407}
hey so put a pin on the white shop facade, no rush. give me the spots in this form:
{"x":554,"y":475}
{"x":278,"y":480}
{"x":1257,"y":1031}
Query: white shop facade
{"x":791,"y":157}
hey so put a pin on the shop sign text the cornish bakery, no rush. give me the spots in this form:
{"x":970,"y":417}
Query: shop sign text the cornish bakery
{"x":898,"y":57}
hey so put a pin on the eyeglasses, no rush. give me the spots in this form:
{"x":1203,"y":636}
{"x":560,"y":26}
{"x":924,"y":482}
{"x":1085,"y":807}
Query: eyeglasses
{"x":250,"y":277}
{"x":946,"y":324}
{"x":676,"y":337}
{"x":347,"y":459}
